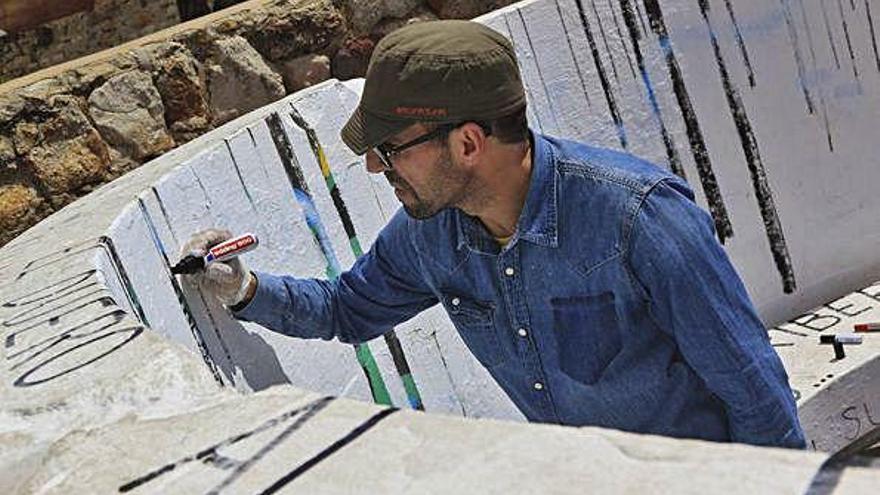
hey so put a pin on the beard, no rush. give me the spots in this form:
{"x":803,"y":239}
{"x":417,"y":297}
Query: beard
{"x":445,"y":181}
{"x":418,"y":208}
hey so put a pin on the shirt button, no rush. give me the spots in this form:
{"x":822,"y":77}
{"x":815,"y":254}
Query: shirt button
{"x":508,"y":271}
{"x":539,"y":386}
{"x":456,"y":301}
{"x":522,"y":332}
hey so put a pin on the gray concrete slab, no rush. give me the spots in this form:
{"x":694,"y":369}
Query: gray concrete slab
{"x":118,"y":377}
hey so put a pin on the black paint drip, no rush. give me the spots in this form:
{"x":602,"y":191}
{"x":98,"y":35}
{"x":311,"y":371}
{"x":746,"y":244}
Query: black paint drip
{"x":873,"y":33}
{"x":798,"y":59}
{"x":621,"y":38}
{"x":244,"y":187}
{"x":849,"y":47}
{"x":605,"y":40}
{"x":574,"y":57}
{"x":108,"y":245}
{"x":631,"y":26}
{"x":184,"y":306}
{"x":642,"y":20}
{"x":822,"y":103}
{"x":525,"y":27}
{"x":741,"y":42}
{"x":212,"y":322}
{"x":830,"y":35}
{"x":397,"y":353}
{"x":603,"y":78}
{"x":772,"y":224}
{"x":699,"y":151}
{"x":529,"y":96}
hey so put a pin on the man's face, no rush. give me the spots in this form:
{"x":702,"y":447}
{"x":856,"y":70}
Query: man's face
{"x":425,"y":177}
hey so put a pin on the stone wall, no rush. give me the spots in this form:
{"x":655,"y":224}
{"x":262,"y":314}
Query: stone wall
{"x":107,"y":24}
{"x":70,"y":128}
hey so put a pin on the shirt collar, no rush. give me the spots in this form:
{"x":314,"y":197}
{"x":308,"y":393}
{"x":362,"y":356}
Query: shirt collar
{"x":537,"y":221}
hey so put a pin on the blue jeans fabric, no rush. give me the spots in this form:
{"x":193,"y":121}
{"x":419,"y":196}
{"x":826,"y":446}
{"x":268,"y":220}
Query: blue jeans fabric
{"x":613,"y":305}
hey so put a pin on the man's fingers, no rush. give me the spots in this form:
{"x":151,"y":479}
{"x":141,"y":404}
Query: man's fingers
{"x":216,"y":236}
{"x":200,"y":242}
{"x":219,"y":271}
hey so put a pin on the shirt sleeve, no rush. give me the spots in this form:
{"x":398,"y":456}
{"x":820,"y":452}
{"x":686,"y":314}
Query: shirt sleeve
{"x":382,"y":289}
{"x":696,"y":296}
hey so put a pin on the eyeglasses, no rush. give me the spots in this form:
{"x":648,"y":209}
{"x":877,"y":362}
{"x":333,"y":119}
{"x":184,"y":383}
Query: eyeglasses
{"x":386,"y":152}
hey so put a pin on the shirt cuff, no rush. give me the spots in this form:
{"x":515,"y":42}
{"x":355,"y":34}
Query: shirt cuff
{"x":248,"y":310}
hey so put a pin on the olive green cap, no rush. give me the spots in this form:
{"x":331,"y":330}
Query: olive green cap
{"x":438,"y":71}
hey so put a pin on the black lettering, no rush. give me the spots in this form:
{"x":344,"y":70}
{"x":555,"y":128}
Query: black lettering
{"x":22,"y":381}
{"x":873,"y":292}
{"x":105,"y":301}
{"x":858,"y":422}
{"x":210,"y":454}
{"x":868,"y":414}
{"x":117,"y":315}
{"x":55,"y":289}
{"x":332,"y":449}
{"x":814,"y":321}
{"x":57,"y":256}
{"x":788,"y":331}
{"x":843,"y":308}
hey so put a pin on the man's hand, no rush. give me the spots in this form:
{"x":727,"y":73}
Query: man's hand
{"x":228,"y":281}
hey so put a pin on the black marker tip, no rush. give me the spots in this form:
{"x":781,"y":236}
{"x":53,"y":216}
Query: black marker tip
{"x":189,"y":264}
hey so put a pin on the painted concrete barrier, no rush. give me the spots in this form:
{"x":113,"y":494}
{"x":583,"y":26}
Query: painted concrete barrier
{"x":100,"y":394}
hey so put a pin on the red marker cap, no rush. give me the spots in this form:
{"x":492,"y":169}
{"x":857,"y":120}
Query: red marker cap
{"x":867,"y":327}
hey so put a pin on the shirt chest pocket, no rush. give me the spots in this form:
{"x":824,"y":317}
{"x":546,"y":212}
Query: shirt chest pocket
{"x":475,"y":322}
{"x":587,"y":335}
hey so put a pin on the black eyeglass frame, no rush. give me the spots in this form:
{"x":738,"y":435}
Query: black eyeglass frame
{"x":385,"y":151}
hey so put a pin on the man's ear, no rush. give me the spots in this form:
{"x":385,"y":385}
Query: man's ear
{"x":470,"y":142}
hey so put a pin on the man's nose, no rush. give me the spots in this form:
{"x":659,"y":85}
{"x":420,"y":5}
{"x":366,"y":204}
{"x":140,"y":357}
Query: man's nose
{"x":374,"y":165}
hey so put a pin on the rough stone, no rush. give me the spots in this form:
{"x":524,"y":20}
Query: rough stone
{"x":305,"y":71}
{"x":239,"y":79}
{"x":20,"y":207}
{"x":364,"y":14}
{"x":388,"y":25}
{"x":7,"y":151}
{"x":63,"y":151}
{"x":120,"y":164}
{"x":182,"y":87}
{"x":352,"y":59}
{"x":288,"y":28}
{"x":465,"y":9}
{"x":10,"y":106}
{"x":40,"y":92}
{"x":87,"y":78}
{"x":128,"y":112}
{"x":98,"y":24}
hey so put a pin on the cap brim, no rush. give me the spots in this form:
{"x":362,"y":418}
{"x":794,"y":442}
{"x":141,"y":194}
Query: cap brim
{"x":365,"y":130}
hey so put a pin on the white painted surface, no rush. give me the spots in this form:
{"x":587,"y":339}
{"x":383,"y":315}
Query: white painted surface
{"x":72,"y":367}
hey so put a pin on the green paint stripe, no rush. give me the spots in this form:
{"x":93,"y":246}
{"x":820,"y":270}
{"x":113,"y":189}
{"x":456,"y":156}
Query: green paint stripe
{"x":377,"y":384}
{"x":409,"y":384}
{"x":412,"y":391}
{"x":355,"y":247}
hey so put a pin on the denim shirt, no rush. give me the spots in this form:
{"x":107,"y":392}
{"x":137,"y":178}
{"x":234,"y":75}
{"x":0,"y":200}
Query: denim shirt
{"x":613,"y":304}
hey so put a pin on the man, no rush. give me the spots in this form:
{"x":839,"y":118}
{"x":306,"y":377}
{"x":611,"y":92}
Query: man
{"x":585,"y":280}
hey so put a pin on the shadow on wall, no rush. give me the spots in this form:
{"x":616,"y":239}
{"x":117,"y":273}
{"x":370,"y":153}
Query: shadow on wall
{"x":243,"y":359}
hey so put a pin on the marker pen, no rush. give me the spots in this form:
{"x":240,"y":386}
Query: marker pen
{"x":841,"y":338}
{"x":221,"y":252}
{"x":867,"y":327}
